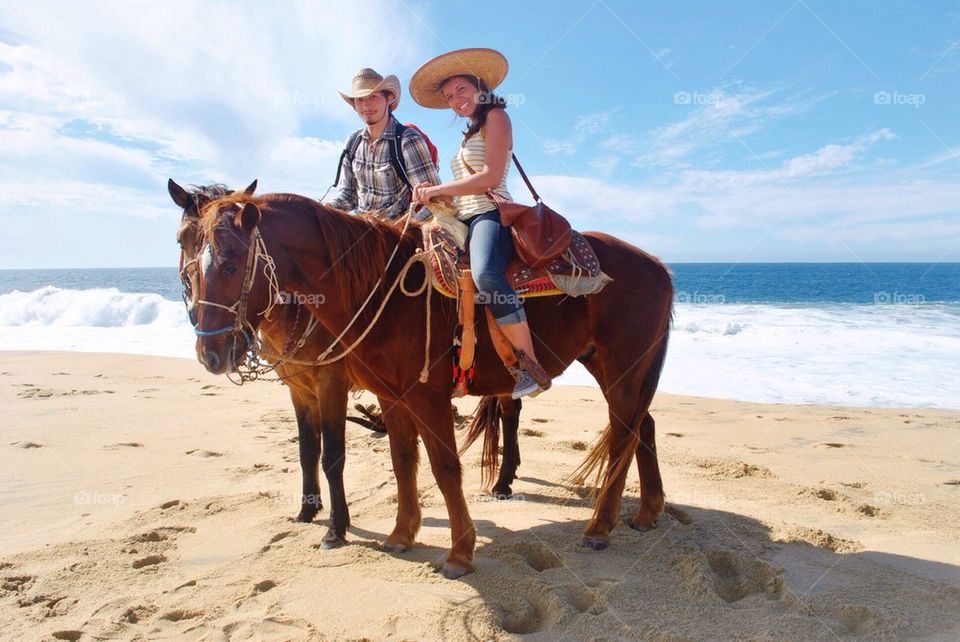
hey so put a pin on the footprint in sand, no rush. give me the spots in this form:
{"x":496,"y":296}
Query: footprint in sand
{"x":263,"y":587}
{"x":678,"y":514}
{"x":206,"y":454}
{"x":678,"y":435}
{"x":26,"y":444}
{"x":68,"y":634}
{"x":736,"y":577}
{"x":149,"y":561}
{"x":832,"y":444}
{"x":530,"y":432}
{"x":540,"y":420}
{"x":178,"y":615}
{"x":273,"y":543}
{"x":537,"y":556}
{"x":817,"y":537}
{"x":124,"y":444}
{"x":952,"y":482}
{"x":579,"y":445}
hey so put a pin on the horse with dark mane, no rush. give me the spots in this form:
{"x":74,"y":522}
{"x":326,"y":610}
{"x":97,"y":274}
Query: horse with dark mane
{"x":342,"y":262}
{"x":318,"y":393}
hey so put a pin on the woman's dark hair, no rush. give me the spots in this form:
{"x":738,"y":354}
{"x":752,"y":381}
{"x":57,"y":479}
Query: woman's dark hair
{"x":486,"y":100}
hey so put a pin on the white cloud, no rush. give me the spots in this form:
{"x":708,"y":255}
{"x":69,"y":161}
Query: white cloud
{"x":100,"y":103}
{"x":585,"y":126}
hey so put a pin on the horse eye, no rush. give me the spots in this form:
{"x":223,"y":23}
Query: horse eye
{"x":230,"y":270}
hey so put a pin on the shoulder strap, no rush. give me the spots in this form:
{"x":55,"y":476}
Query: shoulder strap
{"x":523,"y":175}
{"x":348,"y":152}
{"x":536,"y":197}
{"x":396,"y":157}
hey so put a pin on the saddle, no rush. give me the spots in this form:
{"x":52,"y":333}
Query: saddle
{"x":575,"y":272}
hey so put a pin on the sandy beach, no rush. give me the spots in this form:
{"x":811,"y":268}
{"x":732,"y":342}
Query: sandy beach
{"x":146,"y":499}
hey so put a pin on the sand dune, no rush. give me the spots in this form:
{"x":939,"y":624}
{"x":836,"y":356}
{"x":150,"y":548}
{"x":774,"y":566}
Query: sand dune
{"x":146,"y":499}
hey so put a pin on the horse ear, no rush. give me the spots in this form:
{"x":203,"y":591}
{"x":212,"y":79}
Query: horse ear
{"x":179,"y":195}
{"x":247,"y":218}
{"x":251,"y":188}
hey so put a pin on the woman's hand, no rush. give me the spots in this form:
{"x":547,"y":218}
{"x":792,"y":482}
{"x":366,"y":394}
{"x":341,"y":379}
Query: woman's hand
{"x":423,"y":192}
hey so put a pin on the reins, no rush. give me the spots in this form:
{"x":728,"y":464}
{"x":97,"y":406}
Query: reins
{"x":257,"y":352}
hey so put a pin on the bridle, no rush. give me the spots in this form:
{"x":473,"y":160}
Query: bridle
{"x":241,"y":327}
{"x":255,"y":366}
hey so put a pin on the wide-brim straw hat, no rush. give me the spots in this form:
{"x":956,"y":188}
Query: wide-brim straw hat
{"x":367,"y":81}
{"x":489,"y":65}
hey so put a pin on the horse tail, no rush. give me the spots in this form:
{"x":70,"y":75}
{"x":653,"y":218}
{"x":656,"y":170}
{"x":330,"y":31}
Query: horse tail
{"x":486,"y":422}
{"x":594,"y":464}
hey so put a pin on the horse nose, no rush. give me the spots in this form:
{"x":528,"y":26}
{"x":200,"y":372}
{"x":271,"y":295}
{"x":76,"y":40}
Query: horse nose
{"x":211,"y":360}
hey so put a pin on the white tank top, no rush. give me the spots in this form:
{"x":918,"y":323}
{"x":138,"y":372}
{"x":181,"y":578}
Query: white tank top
{"x":474,"y":151}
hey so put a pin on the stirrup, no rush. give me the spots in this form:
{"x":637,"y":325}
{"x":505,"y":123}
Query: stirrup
{"x":534,"y":369}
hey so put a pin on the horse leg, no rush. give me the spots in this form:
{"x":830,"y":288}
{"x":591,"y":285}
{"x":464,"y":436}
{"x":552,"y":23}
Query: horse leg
{"x":402,"y":434}
{"x":435,"y":425}
{"x":308,"y":442}
{"x":510,"y":418}
{"x":652,"y":499}
{"x":332,"y":391}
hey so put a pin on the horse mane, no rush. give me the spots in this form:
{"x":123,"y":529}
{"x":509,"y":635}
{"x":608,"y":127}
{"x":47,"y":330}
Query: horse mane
{"x":360,"y":244}
{"x":210,"y":192}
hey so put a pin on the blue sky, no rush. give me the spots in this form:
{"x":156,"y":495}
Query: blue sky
{"x":744,"y":131}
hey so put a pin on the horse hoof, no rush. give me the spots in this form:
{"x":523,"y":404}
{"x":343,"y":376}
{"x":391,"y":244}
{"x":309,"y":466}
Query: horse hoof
{"x":594,"y":543}
{"x":502,"y":493}
{"x":331,"y":540}
{"x":640,"y":527}
{"x":394,"y":548}
{"x":452,"y":571}
{"x":305,"y":516}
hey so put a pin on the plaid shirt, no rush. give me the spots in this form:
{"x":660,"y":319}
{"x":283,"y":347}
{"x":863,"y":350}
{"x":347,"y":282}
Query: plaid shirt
{"x":370,"y":181}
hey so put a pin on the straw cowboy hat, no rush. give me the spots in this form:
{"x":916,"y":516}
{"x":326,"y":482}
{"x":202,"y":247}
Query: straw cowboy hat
{"x":367,"y":81}
{"x":488,"y":65}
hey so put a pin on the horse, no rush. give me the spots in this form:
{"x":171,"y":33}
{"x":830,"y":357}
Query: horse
{"x":317,"y":393}
{"x":340,"y":263}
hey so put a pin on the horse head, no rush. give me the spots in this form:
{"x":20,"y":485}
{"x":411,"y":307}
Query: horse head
{"x":192,"y":201}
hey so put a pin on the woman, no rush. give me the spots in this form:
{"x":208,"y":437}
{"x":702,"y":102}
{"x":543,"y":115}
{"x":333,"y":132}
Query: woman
{"x":463,"y":80}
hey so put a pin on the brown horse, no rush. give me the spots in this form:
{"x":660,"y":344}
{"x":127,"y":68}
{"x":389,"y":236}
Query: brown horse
{"x":254,"y":246}
{"x":319,"y":394}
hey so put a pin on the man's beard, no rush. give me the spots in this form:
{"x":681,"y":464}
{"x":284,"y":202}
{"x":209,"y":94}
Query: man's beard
{"x":373,"y":120}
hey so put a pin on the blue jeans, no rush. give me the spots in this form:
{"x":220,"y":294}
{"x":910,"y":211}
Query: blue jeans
{"x":491,"y":248}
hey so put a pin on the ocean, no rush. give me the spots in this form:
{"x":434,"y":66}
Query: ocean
{"x":876,"y":334}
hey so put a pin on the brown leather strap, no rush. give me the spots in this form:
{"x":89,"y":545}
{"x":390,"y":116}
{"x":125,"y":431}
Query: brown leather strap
{"x":466,"y":306}
{"x":500,"y":342}
{"x":523,"y":175}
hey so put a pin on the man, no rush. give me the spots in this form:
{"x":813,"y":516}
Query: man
{"x":377,"y":170}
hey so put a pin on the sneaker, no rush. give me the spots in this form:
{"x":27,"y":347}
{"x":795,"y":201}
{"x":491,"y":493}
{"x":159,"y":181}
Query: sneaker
{"x":526,"y":386}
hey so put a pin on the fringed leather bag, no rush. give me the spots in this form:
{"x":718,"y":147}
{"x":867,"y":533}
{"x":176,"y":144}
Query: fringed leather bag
{"x":539,"y":233}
